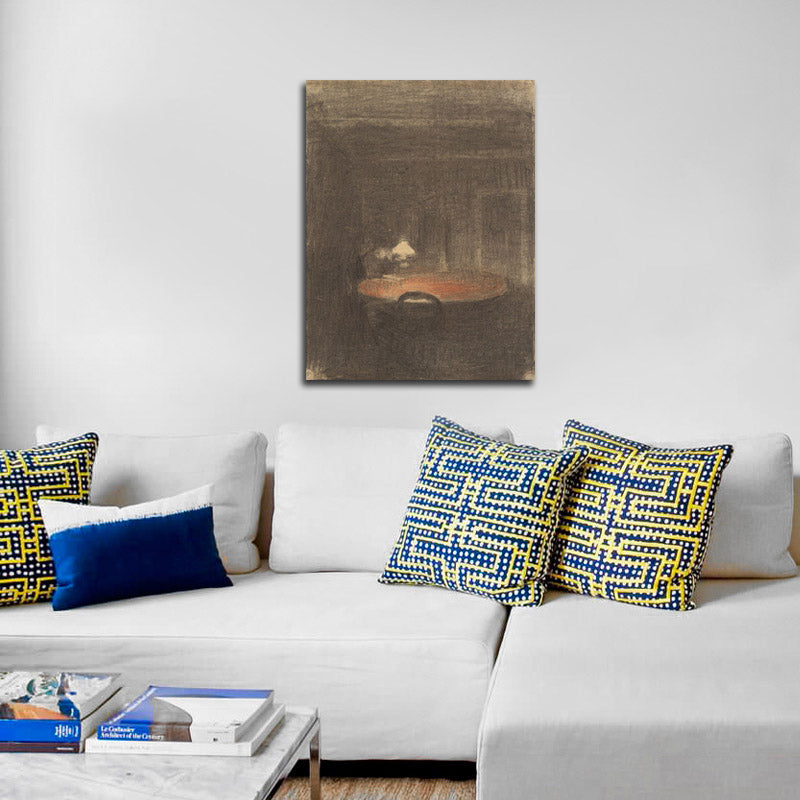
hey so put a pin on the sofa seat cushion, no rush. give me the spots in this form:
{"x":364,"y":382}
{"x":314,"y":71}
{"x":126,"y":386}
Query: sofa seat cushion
{"x":396,"y":671}
{"x":640,"y":703}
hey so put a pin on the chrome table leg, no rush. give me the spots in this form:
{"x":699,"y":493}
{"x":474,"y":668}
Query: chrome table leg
{"x":314,"y":787}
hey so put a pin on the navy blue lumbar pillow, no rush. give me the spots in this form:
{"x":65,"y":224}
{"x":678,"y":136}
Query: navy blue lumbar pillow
{"x":125,"y":558}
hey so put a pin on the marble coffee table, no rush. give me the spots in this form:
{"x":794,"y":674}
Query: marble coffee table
{"x":101,"y":776}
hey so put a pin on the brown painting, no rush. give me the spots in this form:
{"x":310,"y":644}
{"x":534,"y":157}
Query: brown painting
{"x":419,"y":230}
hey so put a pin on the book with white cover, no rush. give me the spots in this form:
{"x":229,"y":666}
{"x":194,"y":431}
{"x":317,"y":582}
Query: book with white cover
{"x":245,"y":747}
{"x":180,"y":714}
{"x":221,"y":719}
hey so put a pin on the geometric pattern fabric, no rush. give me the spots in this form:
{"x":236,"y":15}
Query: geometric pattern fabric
{"x":482,"y":516}
{"x":61,"y":471}
{"x":636,"y":521}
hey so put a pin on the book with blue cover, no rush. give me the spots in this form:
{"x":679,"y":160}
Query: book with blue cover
{"x":179,"y":714}
{"x":51,"y":707}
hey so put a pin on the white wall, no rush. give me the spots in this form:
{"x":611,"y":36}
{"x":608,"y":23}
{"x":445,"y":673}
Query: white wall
{"x":152,"y":213}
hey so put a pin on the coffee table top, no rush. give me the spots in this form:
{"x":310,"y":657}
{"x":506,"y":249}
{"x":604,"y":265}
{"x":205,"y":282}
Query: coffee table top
{"x":100,"y":776}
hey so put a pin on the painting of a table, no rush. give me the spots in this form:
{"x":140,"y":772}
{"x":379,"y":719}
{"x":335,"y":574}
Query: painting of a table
{"x":419,"y":230}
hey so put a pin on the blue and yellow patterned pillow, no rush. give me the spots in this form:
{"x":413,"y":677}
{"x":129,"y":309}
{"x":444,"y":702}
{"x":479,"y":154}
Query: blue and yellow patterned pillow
{"x":635,"y":524}
{"x":59,"y":471}
{"x":482,"y":516}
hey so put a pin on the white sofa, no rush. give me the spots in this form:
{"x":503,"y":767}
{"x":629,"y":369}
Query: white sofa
{"x":588,"y":698}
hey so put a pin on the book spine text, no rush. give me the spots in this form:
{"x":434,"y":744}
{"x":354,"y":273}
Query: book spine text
{"x":40,"y":730}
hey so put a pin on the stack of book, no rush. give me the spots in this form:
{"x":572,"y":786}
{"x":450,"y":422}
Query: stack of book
{"x":170,"y":720}
{"x":53,"y":711}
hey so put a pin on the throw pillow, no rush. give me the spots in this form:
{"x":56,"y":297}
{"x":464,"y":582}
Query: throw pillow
{"x":60,"y":469}
{"x":104,"y":554}
{"x":636,"y":520}
{"x":482,"y":516}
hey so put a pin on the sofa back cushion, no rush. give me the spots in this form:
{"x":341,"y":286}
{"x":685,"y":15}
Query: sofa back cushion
{"x":753,"y":510}
{"x":136,"y":469}
{"x":341,"y":495}
{"x":753,"y":518}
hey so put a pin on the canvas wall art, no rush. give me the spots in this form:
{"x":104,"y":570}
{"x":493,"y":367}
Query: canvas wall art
{"x":419,"y":230}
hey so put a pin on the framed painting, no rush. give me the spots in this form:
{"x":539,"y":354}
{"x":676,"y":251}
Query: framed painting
{"x":419,"y":230}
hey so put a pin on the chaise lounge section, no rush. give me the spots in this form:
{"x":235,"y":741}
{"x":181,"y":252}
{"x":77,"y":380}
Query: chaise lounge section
{"x":601,"y":700}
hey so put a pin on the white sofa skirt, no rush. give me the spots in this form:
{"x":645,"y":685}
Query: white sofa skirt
{"x":603,"y":701}
{"x":397,"y":672}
